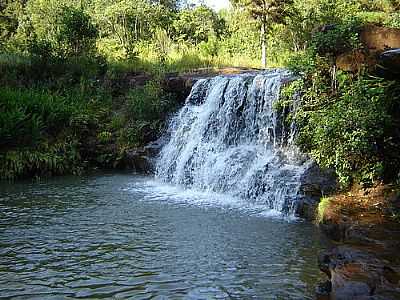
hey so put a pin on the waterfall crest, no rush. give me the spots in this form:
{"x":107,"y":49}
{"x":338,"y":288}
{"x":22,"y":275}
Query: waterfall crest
{"x":228,"y":138}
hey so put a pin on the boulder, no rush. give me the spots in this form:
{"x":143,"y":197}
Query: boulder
{"x":357,"y":274}
{"x":141,"y":159}
{"x":315,"y":183}
{"x":137,"y":160}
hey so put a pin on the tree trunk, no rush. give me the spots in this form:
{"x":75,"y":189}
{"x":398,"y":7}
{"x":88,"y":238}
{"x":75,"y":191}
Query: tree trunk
{"x":264,"y":45}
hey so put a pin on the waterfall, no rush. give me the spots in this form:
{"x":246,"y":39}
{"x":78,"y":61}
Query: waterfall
{"x":228,"y":138}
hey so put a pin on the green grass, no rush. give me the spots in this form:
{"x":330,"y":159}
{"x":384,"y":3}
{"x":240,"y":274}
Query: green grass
{"x":321,"y":210}
{"x":180,"y":59}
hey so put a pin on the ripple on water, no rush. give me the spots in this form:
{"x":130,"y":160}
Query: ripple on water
{"x":127,"y":237}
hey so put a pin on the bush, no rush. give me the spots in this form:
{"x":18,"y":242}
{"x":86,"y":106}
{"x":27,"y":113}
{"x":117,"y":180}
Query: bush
{"x":26,"y":116}
{"x":57,"y":159}
{"x":77,"y":35}
{"x":348,"y":130}
{"x":336,"y":39}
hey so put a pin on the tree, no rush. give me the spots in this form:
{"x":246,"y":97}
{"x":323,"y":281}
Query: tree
{"x":241,"y":36}
{"x":77,"y":35}
{"x":10,"y":11}
{"x":130,"y":21}
{"x":162,"y":43}
{"x":267,"y":12}
{"x":195,"y":25}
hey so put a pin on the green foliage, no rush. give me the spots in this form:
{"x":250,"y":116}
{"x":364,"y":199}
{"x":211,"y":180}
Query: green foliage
{"x":346,"y":130}
{"x":10,"y":11}
{"x":163,"y":44}
{"x":321,"y":209}
{"x":346,"y":122}
{"x":145,"y":102}
{"x":242,"y":35}
{"x":337,"y":39}
{"x":25,"y":116}
{"x":77,"y":35}
{"x":56,"y":159}
{"x":268,"y":13}
{"x":197,"y":24}
{"x":45,"y":132}
{"x":104,"y":136}
{"x":129,"y":21}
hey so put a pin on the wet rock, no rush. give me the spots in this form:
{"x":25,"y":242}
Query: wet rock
{"x":153,"y":148}
{"x":356,"y":273}
{"x":323,"y":290}
{"x":352,"y":290}
{"x":315,"y":183}
{"x":148,"y":133}
{"x":306,"y":208}
{"x":141,"y":160}
{"x":198,"y":96}
{"x":138,"y":160}
{"x":334,"y":230}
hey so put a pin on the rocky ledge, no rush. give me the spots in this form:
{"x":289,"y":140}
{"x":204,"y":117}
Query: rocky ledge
{"x":364,"y":263}
{"x":315,"y":183}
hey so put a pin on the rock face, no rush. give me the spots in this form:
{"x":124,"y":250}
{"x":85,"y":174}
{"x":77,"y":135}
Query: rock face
{"x":315,"y":183}
{"x":358,"y":274}
{"x":354,"y":61}
{"x":179,"y":85}
{"x":378,"y":39}
{"x":141,"y":159}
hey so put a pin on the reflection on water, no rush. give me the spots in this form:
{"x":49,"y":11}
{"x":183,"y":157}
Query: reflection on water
{"x":119,"y":237}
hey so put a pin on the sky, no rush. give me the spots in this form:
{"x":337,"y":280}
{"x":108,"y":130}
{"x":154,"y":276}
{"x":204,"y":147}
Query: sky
{"x":216,"y":4}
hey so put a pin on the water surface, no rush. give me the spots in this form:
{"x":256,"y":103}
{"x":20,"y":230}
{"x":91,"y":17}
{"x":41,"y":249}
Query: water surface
{"x":120,"y":236}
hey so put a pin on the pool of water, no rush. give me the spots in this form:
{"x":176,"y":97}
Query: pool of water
{"x":121,"y":236}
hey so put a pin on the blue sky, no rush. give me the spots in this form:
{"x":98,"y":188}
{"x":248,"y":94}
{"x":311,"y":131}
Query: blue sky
{"x":216,"y":4}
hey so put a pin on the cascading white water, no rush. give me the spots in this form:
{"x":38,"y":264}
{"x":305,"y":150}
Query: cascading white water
{"x":228,"y":138}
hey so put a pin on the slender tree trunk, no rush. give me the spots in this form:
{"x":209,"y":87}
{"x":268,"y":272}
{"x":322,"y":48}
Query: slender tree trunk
{"x":264,"y":45}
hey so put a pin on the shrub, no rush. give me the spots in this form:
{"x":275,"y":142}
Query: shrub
{"x":336,"y":39}
{"x":347,"y":130}
{"x":26,"y":116}
{"x":57,"y":159}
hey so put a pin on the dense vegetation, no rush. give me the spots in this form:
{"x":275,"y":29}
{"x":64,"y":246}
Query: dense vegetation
{"x":66,"y":102}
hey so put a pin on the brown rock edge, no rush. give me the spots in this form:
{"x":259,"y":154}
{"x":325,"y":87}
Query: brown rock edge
{"x":365,"y":261}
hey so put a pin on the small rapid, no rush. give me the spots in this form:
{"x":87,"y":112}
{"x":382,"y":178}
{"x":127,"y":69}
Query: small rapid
{"x":229,"y":139}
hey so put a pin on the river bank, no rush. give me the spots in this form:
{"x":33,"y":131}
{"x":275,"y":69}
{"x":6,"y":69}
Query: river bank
{"x":364,"y":263}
